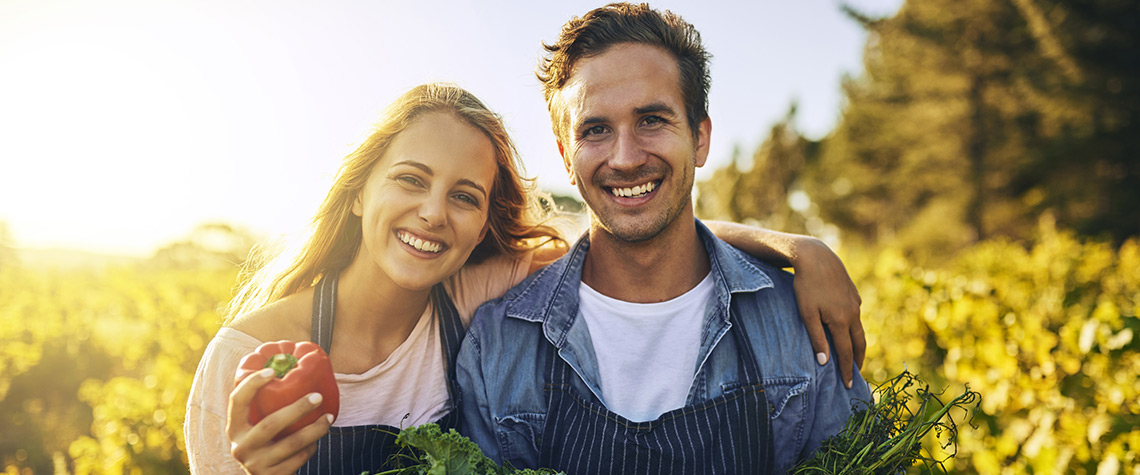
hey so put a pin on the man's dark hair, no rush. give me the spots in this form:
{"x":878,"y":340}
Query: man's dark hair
{"x":601,"y":28}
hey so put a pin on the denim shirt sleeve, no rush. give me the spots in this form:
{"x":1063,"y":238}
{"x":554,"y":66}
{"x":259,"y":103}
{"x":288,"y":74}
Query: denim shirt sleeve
{"x":808,"y":402}
{"x":475,"y":412}
{"x":832,"y":403}
{"x":502,"y":409}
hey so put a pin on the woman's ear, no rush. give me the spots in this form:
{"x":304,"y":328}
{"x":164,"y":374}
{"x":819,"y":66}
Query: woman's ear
{"x":358,"y":205}
{"x":486,"y":227}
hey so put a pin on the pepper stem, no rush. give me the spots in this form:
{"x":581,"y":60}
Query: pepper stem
{"x":281,"y":363}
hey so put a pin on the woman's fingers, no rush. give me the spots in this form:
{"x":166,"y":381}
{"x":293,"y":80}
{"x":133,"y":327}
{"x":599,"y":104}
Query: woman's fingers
{"x":257,"y":450}
{"x":290,"y":453}
{"x":300,"y":446}
{"x":254,"y":447}
{"x":240,"y":398}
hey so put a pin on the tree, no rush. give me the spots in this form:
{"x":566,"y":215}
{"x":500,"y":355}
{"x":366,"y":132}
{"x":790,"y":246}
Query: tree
{"x":769,"y":192}
{"x":975,"y":116}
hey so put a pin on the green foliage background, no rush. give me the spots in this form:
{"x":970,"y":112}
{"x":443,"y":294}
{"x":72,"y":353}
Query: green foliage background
{"x":983,"y":179}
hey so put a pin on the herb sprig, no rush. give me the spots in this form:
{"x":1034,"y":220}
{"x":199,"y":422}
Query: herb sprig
{"x":885,"y":437}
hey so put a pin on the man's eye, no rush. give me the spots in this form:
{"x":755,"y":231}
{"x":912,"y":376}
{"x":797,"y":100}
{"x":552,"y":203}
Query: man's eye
{"x":653,"y":120}
{"x":595,"y":130}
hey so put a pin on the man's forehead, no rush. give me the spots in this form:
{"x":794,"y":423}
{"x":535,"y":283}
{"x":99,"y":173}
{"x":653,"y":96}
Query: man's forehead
{"x":624,"y":78}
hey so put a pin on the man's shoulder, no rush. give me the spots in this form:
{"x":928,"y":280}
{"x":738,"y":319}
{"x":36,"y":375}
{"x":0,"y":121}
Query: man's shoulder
{"x":750,"y":271}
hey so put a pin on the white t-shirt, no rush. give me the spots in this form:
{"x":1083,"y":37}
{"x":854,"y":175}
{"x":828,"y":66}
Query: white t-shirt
{"x":647,"y":352}
{"x":411,"y":381}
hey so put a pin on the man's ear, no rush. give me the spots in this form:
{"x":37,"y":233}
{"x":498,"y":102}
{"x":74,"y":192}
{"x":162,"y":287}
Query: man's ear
{"x":566,"y":162}
{"x":704,"y":131}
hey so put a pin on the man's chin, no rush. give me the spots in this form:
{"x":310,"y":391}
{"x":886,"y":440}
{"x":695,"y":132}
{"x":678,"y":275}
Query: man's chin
{"x":632,"y":232}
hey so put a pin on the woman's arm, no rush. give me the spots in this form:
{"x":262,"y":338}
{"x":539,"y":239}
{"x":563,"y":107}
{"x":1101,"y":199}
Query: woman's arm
{"x":825,"y":292}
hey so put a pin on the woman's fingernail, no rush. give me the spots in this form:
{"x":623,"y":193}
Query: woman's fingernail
{"x":329,"y":417}
{"x":315,"y":398}
{"x":265,"y":373}
{"x":821,"y":358}
{"x":848,"y":384}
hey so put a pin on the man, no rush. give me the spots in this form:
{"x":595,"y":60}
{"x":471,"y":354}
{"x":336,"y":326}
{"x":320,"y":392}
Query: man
{"x":652,"y":347}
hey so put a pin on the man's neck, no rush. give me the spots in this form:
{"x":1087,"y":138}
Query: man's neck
{"x":655,"y":270}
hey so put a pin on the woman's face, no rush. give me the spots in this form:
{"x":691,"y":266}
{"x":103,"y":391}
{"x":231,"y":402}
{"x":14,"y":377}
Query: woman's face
{"x":424,"y":206}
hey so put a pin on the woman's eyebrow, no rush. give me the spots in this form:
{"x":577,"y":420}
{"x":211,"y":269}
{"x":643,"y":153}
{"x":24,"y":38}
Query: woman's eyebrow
{"x":474,"y":185}
{"x":412,"y":163}
{"x":426,"y":169}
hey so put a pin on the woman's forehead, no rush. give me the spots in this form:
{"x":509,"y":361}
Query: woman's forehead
{"x":447,"y":146}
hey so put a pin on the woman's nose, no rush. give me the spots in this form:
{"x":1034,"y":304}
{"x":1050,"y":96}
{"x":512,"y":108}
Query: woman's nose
{"x":433,"y":211}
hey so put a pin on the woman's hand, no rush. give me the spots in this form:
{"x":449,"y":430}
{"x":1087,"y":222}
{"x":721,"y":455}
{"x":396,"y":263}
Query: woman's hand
{"x":254,"y":447}
{"x":827,"y":296}
{"x":824,"y":291}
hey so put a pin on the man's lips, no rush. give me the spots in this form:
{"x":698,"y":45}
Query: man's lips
{"x":635,"y":191}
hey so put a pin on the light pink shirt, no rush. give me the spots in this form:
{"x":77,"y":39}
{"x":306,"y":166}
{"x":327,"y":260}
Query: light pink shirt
{"x":408,"y":388}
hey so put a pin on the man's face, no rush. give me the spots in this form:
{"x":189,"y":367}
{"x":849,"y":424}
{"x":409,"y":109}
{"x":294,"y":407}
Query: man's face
{"x":627,"y":144}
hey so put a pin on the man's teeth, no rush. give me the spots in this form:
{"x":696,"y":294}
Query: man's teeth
{"x":635,"y":191}
{"x":420,"y":244}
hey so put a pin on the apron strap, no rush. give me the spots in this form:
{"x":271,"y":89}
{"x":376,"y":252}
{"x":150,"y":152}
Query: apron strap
{"x":451,"y":335}
{"x":324,"y":311}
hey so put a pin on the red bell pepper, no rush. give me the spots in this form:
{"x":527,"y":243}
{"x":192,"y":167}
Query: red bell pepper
{"x":299,"y":369}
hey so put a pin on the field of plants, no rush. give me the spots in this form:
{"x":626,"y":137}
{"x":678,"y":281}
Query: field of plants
{"x":96,"y":363}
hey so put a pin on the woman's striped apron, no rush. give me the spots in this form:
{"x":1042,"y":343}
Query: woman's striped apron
{"x":356,"y":449}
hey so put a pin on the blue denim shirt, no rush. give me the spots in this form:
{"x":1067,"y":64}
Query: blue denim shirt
{"x":501,"y":367}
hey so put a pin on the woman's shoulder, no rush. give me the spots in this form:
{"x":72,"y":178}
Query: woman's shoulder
{"x":487,"y":280}
{"x":285,"y":319}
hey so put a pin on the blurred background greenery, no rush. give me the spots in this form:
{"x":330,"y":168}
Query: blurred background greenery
{"x":982,"y":185}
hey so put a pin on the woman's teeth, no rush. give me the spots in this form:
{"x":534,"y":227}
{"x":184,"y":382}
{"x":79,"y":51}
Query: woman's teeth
{"x":635,"y":191}
{"x":420,"y":244}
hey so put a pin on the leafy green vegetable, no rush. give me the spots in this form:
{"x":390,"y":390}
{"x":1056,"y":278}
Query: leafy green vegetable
{"x":885,"y":437}
{"x":447,"y":453}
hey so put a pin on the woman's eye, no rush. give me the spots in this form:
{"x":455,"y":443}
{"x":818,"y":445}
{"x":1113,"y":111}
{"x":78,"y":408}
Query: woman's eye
{"x":410,"y":180}
{"x":468,"y":199}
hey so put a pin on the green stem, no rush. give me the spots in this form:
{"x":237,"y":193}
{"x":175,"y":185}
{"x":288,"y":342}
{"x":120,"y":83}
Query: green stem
{"x":281,"y":364}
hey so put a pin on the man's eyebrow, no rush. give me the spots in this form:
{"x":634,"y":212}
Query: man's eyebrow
{"x":589,"y":121}
{"x":655,"y":107}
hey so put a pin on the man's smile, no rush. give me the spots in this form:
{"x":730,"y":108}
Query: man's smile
{"x":634,"y":191}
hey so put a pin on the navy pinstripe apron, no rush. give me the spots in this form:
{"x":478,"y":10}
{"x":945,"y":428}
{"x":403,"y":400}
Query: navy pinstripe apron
{"x":727,"y":434}
{"x":356,"y":449}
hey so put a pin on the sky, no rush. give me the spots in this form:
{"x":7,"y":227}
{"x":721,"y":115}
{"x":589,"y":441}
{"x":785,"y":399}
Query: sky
{"x":125,"y":123}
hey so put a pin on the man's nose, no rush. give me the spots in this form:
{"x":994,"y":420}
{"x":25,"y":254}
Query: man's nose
{"x":628,"y":154}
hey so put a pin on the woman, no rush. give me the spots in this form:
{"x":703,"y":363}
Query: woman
{"x":426,"y":220}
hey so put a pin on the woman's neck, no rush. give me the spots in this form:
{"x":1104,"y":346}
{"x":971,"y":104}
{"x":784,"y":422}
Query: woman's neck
{"x":374,"y":316}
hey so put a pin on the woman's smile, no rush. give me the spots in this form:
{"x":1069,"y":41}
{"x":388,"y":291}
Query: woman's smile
{"x":419,"y":243}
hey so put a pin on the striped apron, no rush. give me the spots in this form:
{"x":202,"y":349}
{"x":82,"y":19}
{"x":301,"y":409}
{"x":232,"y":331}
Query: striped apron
{"x":728,"y":434}
{"x":356,"y":449}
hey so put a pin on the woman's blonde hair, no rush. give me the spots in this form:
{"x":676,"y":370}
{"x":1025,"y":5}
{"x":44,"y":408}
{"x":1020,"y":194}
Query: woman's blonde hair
{"x":517,"y":219}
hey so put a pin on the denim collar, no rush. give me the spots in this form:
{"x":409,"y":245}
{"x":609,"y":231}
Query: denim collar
{"x":551,"y":297}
